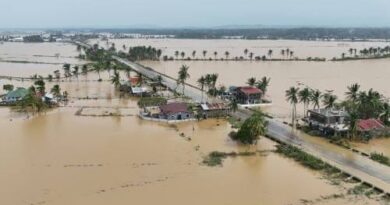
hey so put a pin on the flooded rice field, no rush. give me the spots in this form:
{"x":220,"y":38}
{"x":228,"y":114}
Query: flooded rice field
{"x":60,"y":158}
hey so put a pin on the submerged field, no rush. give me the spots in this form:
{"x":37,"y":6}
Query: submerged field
{"x":60,"y":158}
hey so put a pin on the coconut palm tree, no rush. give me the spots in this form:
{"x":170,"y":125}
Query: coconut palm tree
{"x":252,"y":128}
{"x":75,"y":71}
{"x":353,"y":92}
{"x":251,"y":81}
{"x":193,"y":54}
{"x":315,"y":98}
{"x":263,"y":84}
{"x":66,"y":68}
{"x":84,"y":69}
{"x":213,"y":81}
{"x":385,"y":116}
{"x":115,"y":79}
{"x":215,"y":55}
{"x":292,"y":98}
{"x":204,"y":54}
{"x":304,"y":97}
{"x":40,"y":86}
{"x":227,"y":54}
{"x":183,"y":75}
{"x":329,"y":100}
{"x":251,"y":56}
{"x":270,"y":53}
{"x":246,"y":52}
{"x":182,"y":54}
{"x":56,"y":91}
{"x":233,"y":105}
{"x":202,"y":82}
{"x":98,"y":67}
{"x":177,"y":54}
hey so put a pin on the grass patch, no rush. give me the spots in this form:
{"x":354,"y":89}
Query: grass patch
{"x":302,"y":157}
{"x":359,"y":189}
{"x":380,"y":158}
{"x":151,"y":101}
{"x":235,"y":122}
{"x":216,"y":158}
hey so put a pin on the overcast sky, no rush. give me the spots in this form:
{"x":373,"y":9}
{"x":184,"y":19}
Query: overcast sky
{"x":192,"y":13}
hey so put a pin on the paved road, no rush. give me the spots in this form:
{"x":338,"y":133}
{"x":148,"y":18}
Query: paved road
{"x":347,"y":161}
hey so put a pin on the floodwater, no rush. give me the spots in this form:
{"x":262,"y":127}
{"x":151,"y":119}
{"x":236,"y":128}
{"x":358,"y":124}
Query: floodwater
{"x":60,"y":158}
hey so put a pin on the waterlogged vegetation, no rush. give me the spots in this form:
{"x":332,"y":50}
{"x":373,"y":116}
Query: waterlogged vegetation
{"x":216,"y":158}
{"x":251,"y":130}
{"x":381,"y":158}
{"x":366,"y":53}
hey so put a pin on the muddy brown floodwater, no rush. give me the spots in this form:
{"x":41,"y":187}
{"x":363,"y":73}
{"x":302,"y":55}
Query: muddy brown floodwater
{"x":60,"y":158}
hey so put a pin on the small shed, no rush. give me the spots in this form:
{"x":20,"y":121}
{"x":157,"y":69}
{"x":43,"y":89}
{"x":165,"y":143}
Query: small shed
{"x":214,"y":110}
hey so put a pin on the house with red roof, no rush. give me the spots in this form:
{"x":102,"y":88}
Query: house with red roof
{"x":175,"y":111}
{"x":248,"y":95}
{"x":369,"y":125}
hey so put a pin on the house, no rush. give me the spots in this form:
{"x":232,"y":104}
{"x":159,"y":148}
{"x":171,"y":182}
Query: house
{"x":328,"y":120}
{"x":369,"y":125}
{"x":175,"y":111}
{"x":248,"y":95}
{"x":214,"y":110}
{"x":15,"y":95}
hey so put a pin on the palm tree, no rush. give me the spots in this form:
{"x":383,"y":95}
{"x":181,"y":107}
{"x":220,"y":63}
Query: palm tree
{"x":329,"y":100}
{"x":57,"y":74}
{"x":270,"y":53}
{"x":252,"y":128}
{"x":193,"y":54}
{"x":84,"y":69}
{"x":251,"y":55}
{"x":56,"y":91}
{"x":263,"y":84}
{"x":177,"y":54}
{"x":246,"y":52}
{"x":353,"y":92}
{"x":98,"y":67}
{"x":66,"y":68}
{"x":386,"y":114}
{"x":233,"y":105}
{"x":316,"y":98}
{"x":215,"y":55}
{"x":75,"y":71}
{"x":204,"y":54}
{"x":304,"y":97}
{"x":292,"y":97}
{"x":213,"y":82}
{"x":251,"y":81}
{"x":115,"y":79}
{"x":183,"y":75}
{"x":227,"y":54}
{"x":40,"y":86}
{"x":202,"y":82}
{"x":182,"y":54}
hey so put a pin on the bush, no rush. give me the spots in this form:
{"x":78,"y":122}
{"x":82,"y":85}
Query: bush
{"x":151,"y":101}
{"x":380,"y":158}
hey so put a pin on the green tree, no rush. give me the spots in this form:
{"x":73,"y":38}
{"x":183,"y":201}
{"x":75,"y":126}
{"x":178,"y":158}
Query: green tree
{"x":183,"y":75}
{"x":233,"y":105}
{"x":292,"y":98}
{"x":263,"y":84}
{"x":251,"y":81}
{"x":353,"y":92}
{"x":115,"y":79}
{"x":202,"y":82}
{"x":315,"y":98}
{"x":40,"y":85}
{"x":304,"y":97}
{"x":252,"y":128}
{"x":56,"y":91}
{"x":329,"y":100}
{"x":8,"y":87}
